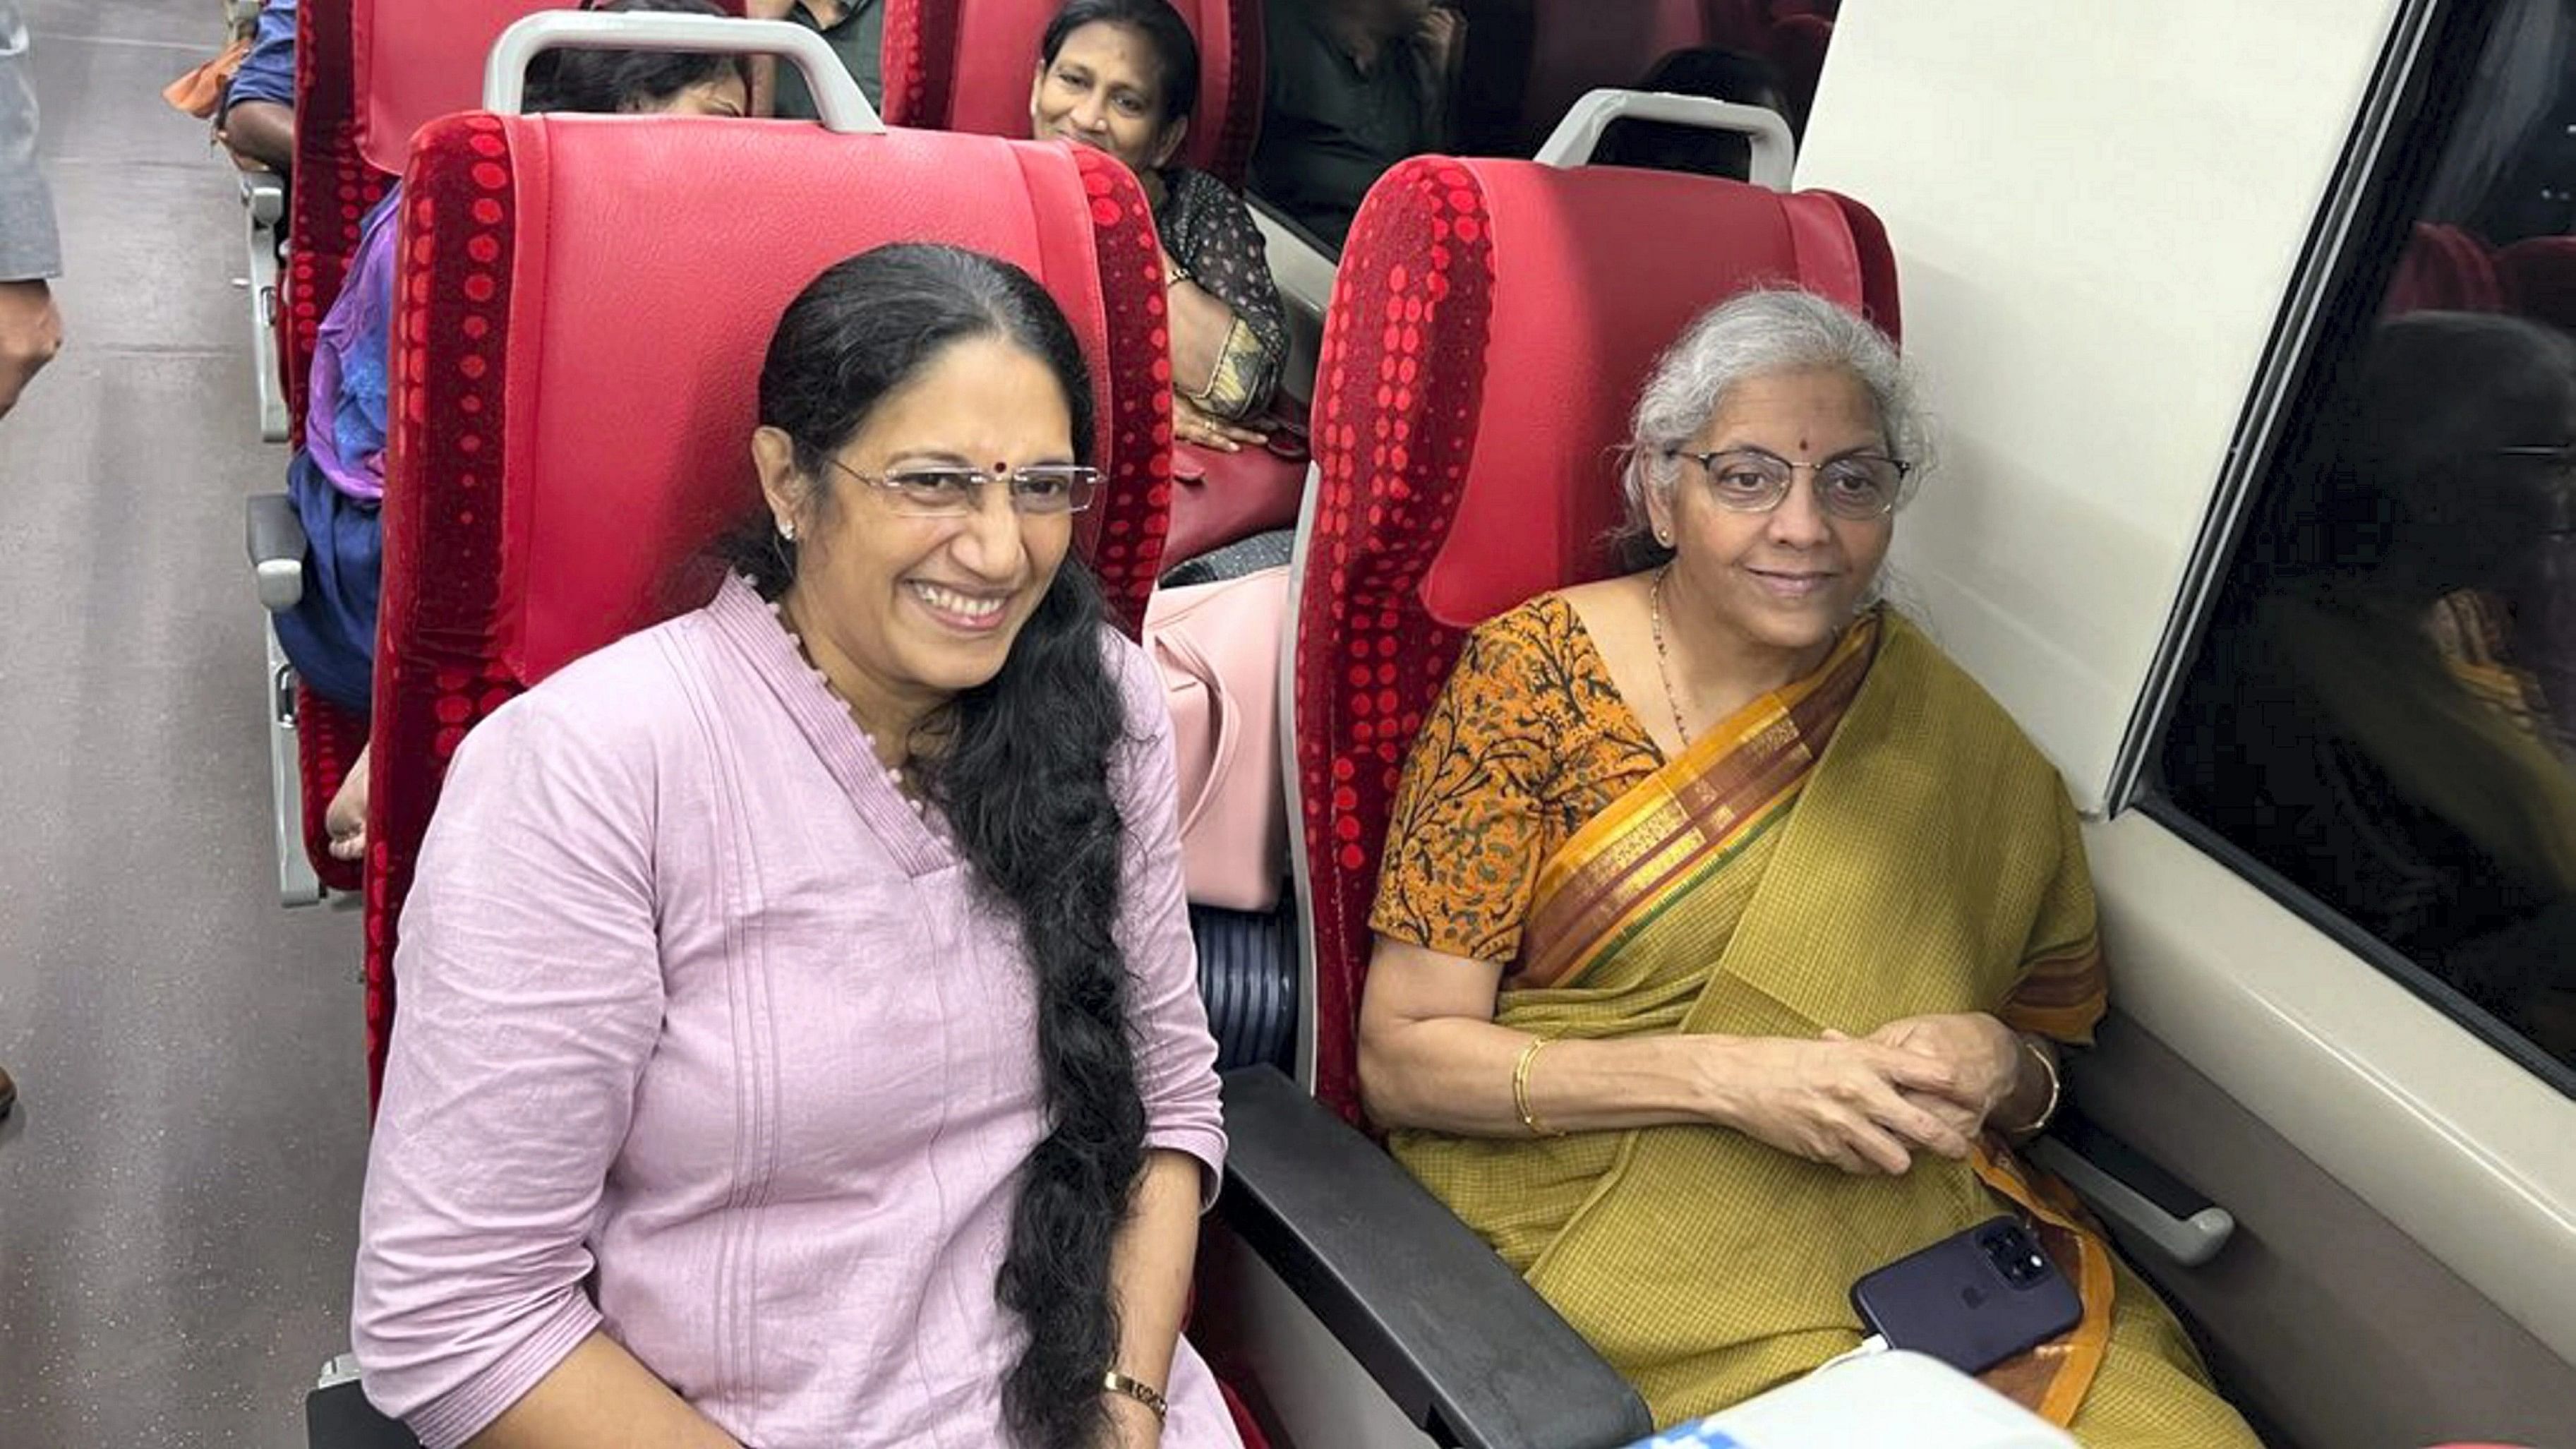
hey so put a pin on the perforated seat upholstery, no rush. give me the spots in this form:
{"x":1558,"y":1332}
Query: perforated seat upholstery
{"x":412,"y":63}
{"x":964,"y":65}
{"x":585,"y":302}
{"x":367,"y":76}
{"x":1491,"y":325}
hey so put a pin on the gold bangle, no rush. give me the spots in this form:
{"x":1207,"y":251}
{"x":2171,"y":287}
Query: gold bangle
{"x":2050,"y":1111}
{"x":1144,"y":1393}
{"x":1520,"y":1089}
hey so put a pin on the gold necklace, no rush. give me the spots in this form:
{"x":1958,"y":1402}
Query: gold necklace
{"x":1663,"y":660}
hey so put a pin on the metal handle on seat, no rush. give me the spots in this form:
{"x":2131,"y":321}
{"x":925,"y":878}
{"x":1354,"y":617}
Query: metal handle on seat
{"x":837,"y":98}
{"x":1775,"y":155}
{"x":2188,"y":1232}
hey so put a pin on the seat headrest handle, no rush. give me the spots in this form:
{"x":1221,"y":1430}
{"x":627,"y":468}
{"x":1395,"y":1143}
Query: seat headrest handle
{"x":837,"y":98}
{"x":1775,"y":155}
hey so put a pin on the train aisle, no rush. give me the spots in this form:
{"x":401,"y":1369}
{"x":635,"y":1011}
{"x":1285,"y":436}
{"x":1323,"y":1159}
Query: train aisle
{"x":178,"y":1184}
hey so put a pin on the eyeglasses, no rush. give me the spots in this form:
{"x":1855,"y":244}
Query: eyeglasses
{"x":950,"y":491}
{"x":1855,"y":486}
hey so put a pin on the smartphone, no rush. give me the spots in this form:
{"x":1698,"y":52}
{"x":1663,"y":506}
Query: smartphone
{"x":1972,"y":1299}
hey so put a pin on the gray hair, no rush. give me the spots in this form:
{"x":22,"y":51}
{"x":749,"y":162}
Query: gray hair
{"x":1755,"y":335}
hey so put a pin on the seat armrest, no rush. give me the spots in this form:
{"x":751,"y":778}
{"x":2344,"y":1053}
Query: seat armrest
{"x":276,"y":539}
{"x":2134,"y":1191}
{"x":263,"y":195}
{"x":1465,"y":1348}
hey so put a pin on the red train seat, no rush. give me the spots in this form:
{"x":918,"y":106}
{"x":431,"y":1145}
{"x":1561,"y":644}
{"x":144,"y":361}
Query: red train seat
{"x":412,"y":63}
{"x":2539,"y":278}
{"x":2444,"y":268}
{"x":559,"y":454}
{"x":1464,"y":425}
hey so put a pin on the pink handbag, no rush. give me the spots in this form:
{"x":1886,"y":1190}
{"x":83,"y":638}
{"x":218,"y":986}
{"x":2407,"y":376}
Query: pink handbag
{"x":1218,"y":648}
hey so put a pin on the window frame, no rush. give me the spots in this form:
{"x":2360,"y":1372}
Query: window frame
{"x":2409,"y":114}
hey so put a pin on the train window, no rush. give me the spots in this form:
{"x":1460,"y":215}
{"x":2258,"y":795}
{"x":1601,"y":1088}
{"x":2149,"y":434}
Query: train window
{"x":2382,"y":709}
{"x":1353,"y":86}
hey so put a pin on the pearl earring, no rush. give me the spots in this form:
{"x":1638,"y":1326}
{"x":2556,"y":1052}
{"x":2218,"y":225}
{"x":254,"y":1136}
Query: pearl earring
{"x":787,"y":530}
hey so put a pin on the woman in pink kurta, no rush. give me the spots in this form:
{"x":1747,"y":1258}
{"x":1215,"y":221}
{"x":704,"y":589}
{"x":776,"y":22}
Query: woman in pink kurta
{"x":726,"y":1061}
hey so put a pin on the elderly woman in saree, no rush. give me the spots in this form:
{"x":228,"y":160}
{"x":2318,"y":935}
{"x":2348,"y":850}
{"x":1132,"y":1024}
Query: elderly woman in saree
{"x":1728,"y":932}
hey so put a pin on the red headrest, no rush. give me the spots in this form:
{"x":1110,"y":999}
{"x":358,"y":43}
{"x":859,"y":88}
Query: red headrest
{"x":965,"y":65}
{"x":337,"y":187}
{"x":1491,"y":326}
{"x":418,"y":61}
{"x":2444,"y":269}
{"x":1540,"y":488}
{"x":2539,"y":274}
{"x":585,"y":303}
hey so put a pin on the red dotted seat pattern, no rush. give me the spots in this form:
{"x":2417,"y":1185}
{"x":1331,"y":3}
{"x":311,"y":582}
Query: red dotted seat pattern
{"x":584,"y":303}
{"x":1490,"y":327}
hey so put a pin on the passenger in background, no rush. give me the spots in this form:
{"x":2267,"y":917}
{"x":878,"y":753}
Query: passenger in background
{"x":2379,"y":739}
{"x":1718,"y":74}
{"x":798,"y":1004}
{"x":337,"y":479}
{"x":257,"y":122}
{"x":1351,"y":88}
{"x":31,"y":330}
{"x":855,"y":29}
{"x":1122,"y":76}
{"x":1728,"y":931}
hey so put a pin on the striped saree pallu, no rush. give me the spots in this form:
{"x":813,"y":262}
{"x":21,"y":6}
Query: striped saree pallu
{"x":1876,"y":841}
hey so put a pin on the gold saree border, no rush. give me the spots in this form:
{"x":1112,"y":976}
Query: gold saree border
{"x":1646,"y":850}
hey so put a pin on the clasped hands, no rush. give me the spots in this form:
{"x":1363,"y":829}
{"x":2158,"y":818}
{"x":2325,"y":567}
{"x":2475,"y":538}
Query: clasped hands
{"x":1869,"y":1104}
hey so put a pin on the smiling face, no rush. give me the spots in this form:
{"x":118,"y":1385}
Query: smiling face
{"x":1786,"y":581}
{"x":1104,"y":89}
{"x":902,"y":612}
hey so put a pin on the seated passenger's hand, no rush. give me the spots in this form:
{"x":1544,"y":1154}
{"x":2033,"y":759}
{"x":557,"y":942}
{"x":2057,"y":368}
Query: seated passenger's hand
{"x":1984,"y":1052}
{"x":768,"y":9}
{"x":345,"y":820}
{"x":1843,"y":1102}
{"x":1192,"y":424}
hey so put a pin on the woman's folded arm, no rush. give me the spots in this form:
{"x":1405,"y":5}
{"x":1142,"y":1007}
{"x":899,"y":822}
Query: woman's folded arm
{"x":1432,"y":1057}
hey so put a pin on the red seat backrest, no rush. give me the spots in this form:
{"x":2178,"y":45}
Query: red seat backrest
{"x":585,"y":302}
{"x":367,"y":75}
{"x":333,"y":188}
{"x":2539,"y":277}
{"x":2445,"y":269}
{"x":965,"y":65}
{"x":1491,"y":325}
{"x":414,"y":62}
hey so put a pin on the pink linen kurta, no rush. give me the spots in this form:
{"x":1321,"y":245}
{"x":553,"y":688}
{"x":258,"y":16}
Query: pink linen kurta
{"x":695,"y":1001}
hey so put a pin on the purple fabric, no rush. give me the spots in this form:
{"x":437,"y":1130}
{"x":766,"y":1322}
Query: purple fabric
{"x":352,"y":362}
{"x":694,"y":999}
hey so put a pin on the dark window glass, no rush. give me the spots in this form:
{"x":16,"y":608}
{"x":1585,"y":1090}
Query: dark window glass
{"x":2382,"y":712}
